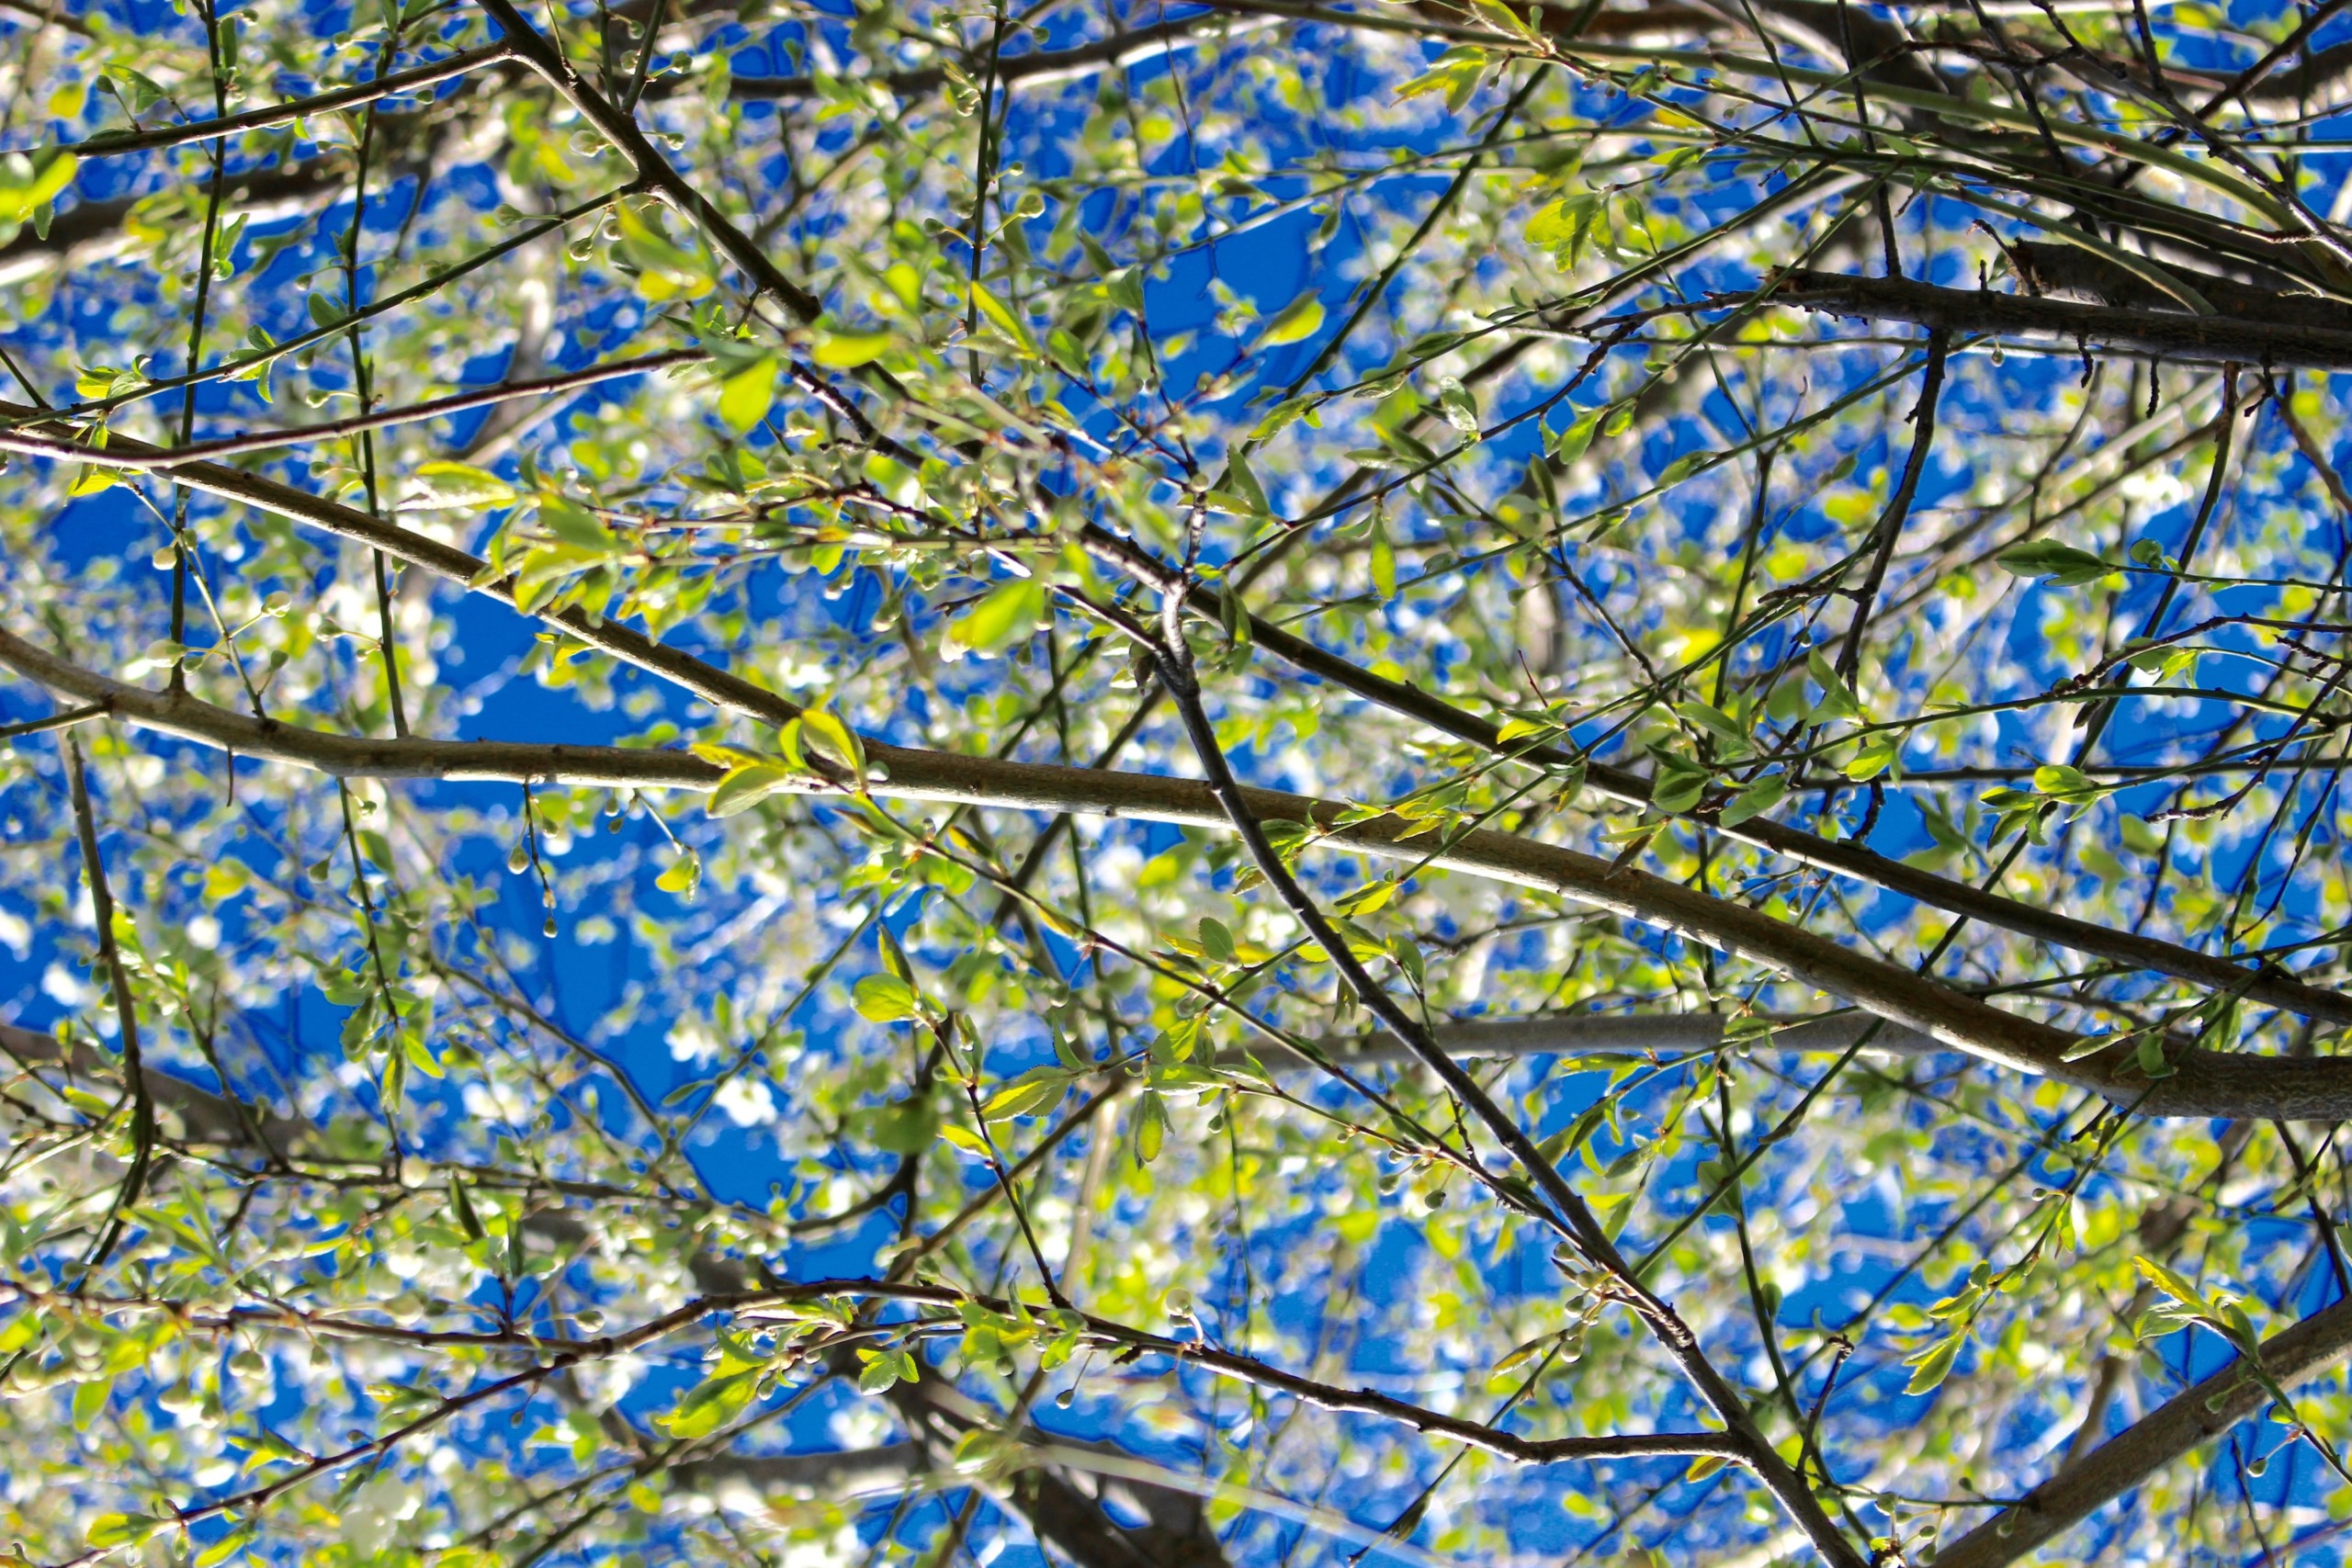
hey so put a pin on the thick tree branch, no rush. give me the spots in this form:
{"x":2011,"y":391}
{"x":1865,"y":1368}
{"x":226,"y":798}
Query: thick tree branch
{"x":733,"y":694}
{"x":2178,"y":1427}
{"x":2200,"y":1084}
{"x":205,"y":1117}
{"x":2215,"y":339}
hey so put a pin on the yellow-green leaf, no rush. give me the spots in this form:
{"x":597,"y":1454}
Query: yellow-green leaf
{"x":1000,"y":317}
{"x":1003,"y":616}
{"x":460,"y":487}
{"x":884,"y":998}
{"x":746,"y":786}
{"x":123,"y":1530}
{"x":847,"y":351}
{"x":1302,"y":318}
{"x":712,"y":1405}
{"x":744,"y":397}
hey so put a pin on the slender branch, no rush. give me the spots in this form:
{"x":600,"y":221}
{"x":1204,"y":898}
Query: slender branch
{"x":630,"y":140}
{"x":731,"y":692}
{"x":1898,"y":506}
{"x":1117,"y":50}
{"x":164,"y":459}
{"x":2265,"y":986}
{"x":143,"y":1107}
{"x":1101,"y":1333}
{"x":1568,"y":1212}
{"x":719,"y":687}
{"x":65,"y":719}
{"x":112,"y":143}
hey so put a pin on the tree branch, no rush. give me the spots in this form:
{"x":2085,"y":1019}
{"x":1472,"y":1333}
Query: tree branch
{"x":2199,"y":1084}
{"x":2265,"y":986}
{"x":113,"y":144}
{"x":2194,"y":1416}
{"x":2216,"y":339}
{"x":162,"y":459}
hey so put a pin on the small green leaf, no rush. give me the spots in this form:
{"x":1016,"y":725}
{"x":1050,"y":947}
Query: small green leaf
{"x":1216,"y":940}
{"x":712,"y":1405}
{"x":463,"y":1207}
{"x":460,"y":487}
{"x":1302,"y":318}
{"x":1030,"y":1094}
{"x":1006,"y":614}
{"x":847,"y":351}
{"x":1152,"y":1126}
{"x":885,"y":999}
{"x":1000,"y":316}
{"x":746,"y":786}
{"x":1872,"y":757}
{"x":839,"y":738}
{"x":745,"y":397}
{"x":1715,"y":722}
{"x":2170,"y":1282}
{"x":2066,"y":784}
{"x":904,"y":1126}
{"x":1575,"y":438}
{"x":1678,"y":784}
{"x":1762,"y":795}
{"x":109,"y":1530}
{"x":2064,"y":564}
{"x":1931,"y":1366}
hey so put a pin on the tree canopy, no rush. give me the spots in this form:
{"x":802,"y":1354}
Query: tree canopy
{"x":823,"y":783}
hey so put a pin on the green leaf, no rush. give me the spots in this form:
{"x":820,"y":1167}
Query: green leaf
{"x":904,"y":1126}
{"x":27,"y":186}
{"x":1680,"y":782}
{"x":1682,"y":468}
{"x":1004,"y":615}
{"x":885,"y":999}
{"x":847,"y":351}
{"x":111,"y":1530}
{"x":1216,"y":940}
{"x":1759,"y":796}
{"x":848,"y":751}
{"x":1151,"y":1125}
{"x":1715,"y":722}
{"x":463,"y":1207}
{"x":1931,"y":1366}
{"x":2170,"y":1282}
{"x":460,"y":487}
{"x":684,"y":876}
{"x":999,"y":316}
{"x":666,"y":270}
{"x":712,"y":1405}
{"x":1575,"y":438}
{"x":2067,"y":784}
{"x":745,"y":397}
{"x":1873,"y":756}
{"x":745,"y":786}
{"x":2064,"y":564}
{"x":1242,"y":480}
{"x":885,"y":1369}
{"x":1302,"y":318}
{"x":1030,"y":1094}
